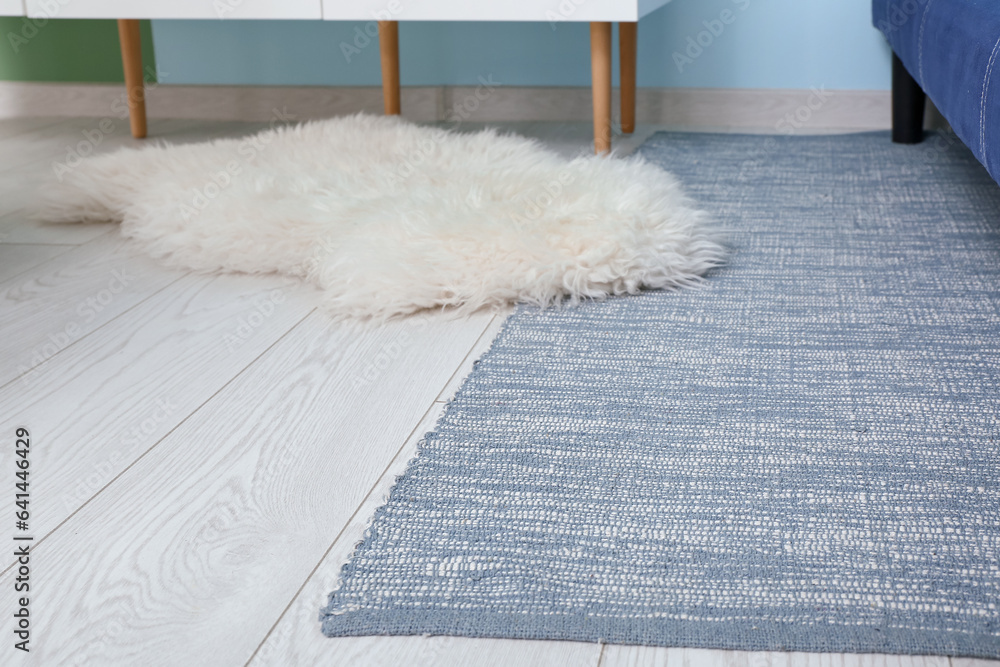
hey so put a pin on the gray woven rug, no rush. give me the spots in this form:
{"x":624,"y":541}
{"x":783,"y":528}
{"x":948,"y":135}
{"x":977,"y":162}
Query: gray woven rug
{"x":804,"y":455}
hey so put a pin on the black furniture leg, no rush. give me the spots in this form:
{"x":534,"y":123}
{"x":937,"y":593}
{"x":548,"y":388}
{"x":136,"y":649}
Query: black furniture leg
{"x":908,"y":102}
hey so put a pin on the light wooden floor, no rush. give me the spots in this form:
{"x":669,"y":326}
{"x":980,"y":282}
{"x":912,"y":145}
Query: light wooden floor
{"x":207,"y":449}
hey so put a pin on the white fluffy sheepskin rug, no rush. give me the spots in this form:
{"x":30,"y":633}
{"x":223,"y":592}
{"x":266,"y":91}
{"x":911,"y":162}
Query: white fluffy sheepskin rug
{"x":389,"y":218}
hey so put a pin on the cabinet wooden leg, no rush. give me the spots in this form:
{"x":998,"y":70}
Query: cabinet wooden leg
{"x":627,"y":49}
{"x":128,"y":35}
{"x":388,"y":41}
{"x":600,"y":69}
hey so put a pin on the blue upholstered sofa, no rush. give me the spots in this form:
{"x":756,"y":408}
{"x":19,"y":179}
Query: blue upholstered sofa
{"x":949,"y":50}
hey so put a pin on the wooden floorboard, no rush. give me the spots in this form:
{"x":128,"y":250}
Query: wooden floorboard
{"x":478,"y":350}
{"x":200,"y":545}
{"x":49,"y":308}
{"x":647,"y":656}
{"x":105,"y":401}
{"x":441,"y":651}
{"x":17,"y":258}
{"x":12,"y":127}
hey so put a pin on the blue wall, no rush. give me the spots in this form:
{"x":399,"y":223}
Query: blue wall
{"x":745,"y":44}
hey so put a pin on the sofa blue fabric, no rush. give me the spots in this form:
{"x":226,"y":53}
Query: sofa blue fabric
{"x":951,"y":48}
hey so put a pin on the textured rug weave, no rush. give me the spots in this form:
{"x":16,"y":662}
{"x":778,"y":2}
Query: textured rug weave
{"x":802,"y":455}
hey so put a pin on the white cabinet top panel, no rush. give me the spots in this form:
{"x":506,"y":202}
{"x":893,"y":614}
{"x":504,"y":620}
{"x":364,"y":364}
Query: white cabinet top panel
{"x":340,"y":10}
{"x":489,"y":10}
{"x":175,"y":9}
{"x":11,"y":8}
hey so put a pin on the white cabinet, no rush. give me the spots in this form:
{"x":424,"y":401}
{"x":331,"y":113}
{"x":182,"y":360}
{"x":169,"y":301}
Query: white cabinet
{"x":488,"y":10}
{"x":175,"y":9}
{"x":338,"y":10}
{"x":599,"y":13}
{"x":11,"y":8}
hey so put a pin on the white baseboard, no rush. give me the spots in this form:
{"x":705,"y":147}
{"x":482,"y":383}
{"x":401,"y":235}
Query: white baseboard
{"x":693,"y":107}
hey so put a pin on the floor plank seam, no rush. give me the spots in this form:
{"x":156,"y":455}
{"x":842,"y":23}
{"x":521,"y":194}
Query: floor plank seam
{"x":340,"y":534}
{"x":161,"y":439}
{"x":71,"y":247}
{"x":461,"y":364}
{"x":375,"y":485}
{"x":35,"y":266}
{"x":87,"y":335}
